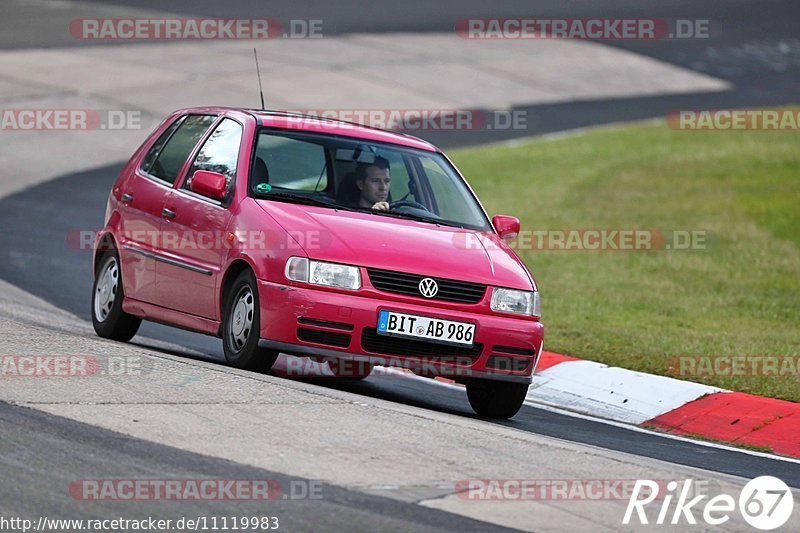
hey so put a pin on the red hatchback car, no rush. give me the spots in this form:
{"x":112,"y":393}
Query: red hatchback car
{"x":283,"y":233}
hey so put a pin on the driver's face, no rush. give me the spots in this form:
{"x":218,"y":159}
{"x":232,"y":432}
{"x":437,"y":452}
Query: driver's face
{"x":375,"y":187}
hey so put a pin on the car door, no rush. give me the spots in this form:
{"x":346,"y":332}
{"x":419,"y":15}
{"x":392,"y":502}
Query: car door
{"x":196,"y":226}
{"x":141,"y":201}
{"x":143,"y":197}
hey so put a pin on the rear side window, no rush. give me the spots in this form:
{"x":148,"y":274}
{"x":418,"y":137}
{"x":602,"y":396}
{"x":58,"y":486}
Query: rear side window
{"x":176,"y":147}
{"x":148,"y":160}
{"x":220,"y":153}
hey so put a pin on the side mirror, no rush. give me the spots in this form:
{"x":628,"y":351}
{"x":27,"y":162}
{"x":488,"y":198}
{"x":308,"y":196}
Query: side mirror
{"x":507,"y":227}
{"x":210,"y":184}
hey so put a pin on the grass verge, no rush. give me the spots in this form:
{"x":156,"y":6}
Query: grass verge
{"x":738,"y":295}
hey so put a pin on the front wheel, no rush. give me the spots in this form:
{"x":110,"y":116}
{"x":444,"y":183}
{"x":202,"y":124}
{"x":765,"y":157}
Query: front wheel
{"x":241,"y":326}
{"x":108,"y":318}
{"x":496,"y":399}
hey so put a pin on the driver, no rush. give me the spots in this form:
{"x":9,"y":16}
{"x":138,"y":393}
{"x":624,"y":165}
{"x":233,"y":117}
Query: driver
{"x":373,"y":182}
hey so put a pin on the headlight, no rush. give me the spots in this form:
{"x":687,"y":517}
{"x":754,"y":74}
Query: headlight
{"x":321,"y":273}
{"x":520,"y":302}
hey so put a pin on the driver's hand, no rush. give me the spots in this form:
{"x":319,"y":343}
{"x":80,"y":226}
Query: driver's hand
{"x":381,"y":206}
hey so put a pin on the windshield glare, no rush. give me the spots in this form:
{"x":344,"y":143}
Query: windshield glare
{"x":361,"y":175}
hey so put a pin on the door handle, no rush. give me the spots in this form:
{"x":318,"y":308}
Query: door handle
{"x":127,"y":198}
{"x":168,"y":213}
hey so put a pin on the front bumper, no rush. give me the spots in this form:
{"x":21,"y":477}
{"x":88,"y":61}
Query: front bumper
{"x":306,"y":321}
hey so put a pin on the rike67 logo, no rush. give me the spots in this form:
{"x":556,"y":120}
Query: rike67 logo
{"x":766,"y":503}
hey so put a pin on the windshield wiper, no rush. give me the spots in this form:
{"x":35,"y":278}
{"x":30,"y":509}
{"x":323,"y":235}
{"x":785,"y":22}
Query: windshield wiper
{"x":299,"y":199}
{"x":419,"y":218}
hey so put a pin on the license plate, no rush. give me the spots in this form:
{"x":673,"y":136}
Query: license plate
{"x":425,"y":328}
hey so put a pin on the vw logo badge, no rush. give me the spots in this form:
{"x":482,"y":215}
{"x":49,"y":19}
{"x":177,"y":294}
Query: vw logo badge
{"x":428,"y":288}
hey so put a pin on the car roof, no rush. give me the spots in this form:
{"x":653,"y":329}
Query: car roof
{"x":314,"y":124}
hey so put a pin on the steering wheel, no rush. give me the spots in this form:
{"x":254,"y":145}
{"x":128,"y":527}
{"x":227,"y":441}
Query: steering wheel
{"x":407,"y":203}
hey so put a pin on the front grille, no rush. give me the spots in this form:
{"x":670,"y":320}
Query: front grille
{"x":330,"y":338}
{"x":382,"y":344}
{"x":403,"y":283}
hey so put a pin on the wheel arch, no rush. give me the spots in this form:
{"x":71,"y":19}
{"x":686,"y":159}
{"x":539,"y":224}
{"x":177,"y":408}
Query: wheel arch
{"x":105,"y":242}
{"x":236,"y":267}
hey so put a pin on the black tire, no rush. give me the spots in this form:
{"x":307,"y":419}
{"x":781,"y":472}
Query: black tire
{"x":108,"y":318}
{"x":349,"y":369}
{"x":496,"y":399}
{"x":241,"y":326}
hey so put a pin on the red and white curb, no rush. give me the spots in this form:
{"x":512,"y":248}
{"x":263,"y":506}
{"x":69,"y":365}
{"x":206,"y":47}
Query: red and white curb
{"x":609,"y":392}
{"x":668,"y":404}
{"x":640,"y":399}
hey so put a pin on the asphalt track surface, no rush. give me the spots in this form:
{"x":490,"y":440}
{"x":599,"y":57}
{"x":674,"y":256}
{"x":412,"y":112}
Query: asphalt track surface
{"x":38,"y":459}
{"x":753,"y":44}
{"x":60,"y":273}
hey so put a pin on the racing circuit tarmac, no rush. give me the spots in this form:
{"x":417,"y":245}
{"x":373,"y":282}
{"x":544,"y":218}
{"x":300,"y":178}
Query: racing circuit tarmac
{"x":45,"y":448}
{"x":91,"y":188}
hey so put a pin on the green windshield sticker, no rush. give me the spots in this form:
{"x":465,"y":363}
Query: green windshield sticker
{"x":263,"y":187}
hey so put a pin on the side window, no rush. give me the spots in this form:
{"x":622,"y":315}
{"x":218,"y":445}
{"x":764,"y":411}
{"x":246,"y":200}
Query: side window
{"x":177,"y":149}
{"x":150,"y":158}
{"x":220,"y":153}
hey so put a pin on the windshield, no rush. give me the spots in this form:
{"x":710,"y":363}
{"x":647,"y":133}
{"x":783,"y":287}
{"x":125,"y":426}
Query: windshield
{"x":353,"y":174}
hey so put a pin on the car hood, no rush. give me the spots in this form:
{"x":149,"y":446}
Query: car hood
{"x":391,"y":243}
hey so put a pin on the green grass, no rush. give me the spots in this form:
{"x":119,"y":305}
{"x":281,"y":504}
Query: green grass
{"x":738,"y":296}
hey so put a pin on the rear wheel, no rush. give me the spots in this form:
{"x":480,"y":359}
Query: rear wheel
{"x":108,"y":318}
{"x":496,"y":399}
{"x":241,"y":326}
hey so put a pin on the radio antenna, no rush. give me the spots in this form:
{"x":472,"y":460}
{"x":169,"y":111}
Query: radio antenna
{"x":258,"y":73}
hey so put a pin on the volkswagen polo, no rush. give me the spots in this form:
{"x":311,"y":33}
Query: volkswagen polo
{"x":284,"y":233}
